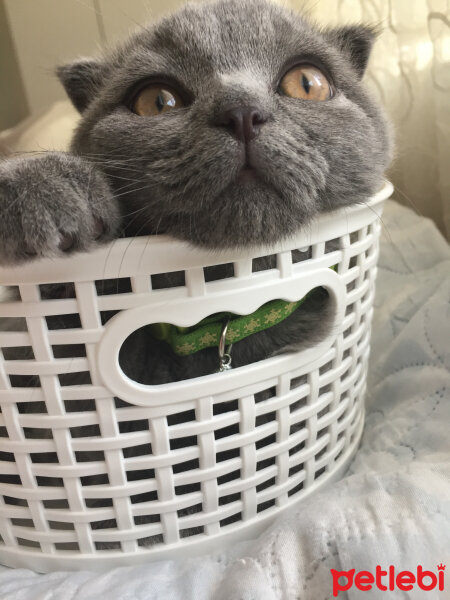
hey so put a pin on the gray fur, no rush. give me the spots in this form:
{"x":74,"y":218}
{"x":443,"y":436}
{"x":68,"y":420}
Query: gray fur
{"x":176,"y":173}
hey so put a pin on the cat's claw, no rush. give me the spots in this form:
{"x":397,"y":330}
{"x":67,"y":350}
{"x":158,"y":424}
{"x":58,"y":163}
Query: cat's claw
{"x":53,"y":204}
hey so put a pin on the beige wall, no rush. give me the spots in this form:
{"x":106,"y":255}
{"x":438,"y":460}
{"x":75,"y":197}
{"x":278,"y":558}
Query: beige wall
{"x":13,"y":105}
{"x":45,"y":33}
{"x":48,"y":32}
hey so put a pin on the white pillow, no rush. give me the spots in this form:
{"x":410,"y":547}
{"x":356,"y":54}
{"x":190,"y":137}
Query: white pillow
{"x":51,"y":130}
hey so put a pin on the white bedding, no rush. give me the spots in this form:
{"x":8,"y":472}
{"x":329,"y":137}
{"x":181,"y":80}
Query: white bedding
{"x":392,"y":508}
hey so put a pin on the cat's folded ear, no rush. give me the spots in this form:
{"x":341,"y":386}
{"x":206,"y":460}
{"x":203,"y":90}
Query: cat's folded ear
{"x":81,"y":80}
{"x":356,"y":42}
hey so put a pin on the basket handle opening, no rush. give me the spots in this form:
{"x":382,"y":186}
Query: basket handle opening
{"x":122,"y":331}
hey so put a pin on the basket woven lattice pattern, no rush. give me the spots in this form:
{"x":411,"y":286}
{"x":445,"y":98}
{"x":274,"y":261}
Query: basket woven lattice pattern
{"x":90,"y":471}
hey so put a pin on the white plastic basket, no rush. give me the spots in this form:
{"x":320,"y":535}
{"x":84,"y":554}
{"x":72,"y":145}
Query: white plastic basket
{"x":232,"y":484}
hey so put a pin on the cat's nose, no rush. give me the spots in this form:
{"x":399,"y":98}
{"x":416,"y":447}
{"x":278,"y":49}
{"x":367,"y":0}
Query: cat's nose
{"x":244,"y":122}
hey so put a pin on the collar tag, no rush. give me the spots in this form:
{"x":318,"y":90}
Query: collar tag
{"x":224,"y":352}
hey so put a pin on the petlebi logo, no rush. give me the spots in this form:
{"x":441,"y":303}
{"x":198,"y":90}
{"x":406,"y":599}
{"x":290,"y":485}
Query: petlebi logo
{"x":388,"y":579}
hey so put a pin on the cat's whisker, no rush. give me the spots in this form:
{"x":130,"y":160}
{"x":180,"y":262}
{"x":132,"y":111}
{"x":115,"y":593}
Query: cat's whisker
{"x":145,"y":187}
{"x":89,"y":183}
{"x":379,"y":217}
{"x":108,"y":254}
{"x":14,"y":153}
{"x":137,"y":214}
{"x":121,"y":157}
{"x":408,"y":199}
{"x":158,"y":225}
{"x":122,"y":163}
{"x":144,"y":225}
{"x":96,"y":161}
{"x":109,"y":161}
{"x":115,"y":166}
{"x":134,"y":212}
{"x":128,"y":186}
{"x":143,"y":252}
{"x":120,"y":178}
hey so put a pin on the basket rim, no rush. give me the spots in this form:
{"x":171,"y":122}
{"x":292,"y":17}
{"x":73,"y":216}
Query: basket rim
{"x":136,"y":256}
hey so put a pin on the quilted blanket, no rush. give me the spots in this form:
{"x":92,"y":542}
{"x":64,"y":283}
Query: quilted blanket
{"x":389,"y":514}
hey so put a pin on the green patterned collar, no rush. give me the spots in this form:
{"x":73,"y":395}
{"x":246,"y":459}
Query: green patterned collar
{"x":206,"y":334}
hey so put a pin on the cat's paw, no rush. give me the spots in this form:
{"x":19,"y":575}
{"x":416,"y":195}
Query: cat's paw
{"x":53,"y":204}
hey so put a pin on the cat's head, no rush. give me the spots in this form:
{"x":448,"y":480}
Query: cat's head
{"x":231,"y":123}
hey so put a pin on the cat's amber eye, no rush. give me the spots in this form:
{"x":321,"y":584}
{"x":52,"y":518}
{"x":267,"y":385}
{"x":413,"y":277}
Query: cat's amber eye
{"x":156,"y":99}
{"x":306,"y":82}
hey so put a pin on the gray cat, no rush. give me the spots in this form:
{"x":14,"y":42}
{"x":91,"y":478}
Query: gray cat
{"x":227,"y":125}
